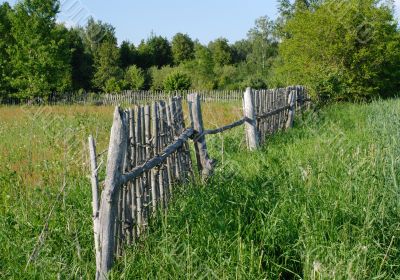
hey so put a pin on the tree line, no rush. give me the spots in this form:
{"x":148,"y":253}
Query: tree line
{"x":340,"y":50}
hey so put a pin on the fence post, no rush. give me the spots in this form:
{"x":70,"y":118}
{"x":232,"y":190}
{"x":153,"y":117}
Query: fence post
{"x":95,"y":202}
{"x":292,"y":108}
{"x":204,"y":163}
{"x":109,"y":196}
{"x":250,"y":124}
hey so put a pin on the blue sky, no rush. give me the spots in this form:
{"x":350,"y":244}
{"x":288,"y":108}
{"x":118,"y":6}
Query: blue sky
{"x":205,"y":20}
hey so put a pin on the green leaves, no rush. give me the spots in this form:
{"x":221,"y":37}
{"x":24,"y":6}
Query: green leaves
{"x":342,"y":51}
{"x":39,"y":57}
{"x":177,"y":81}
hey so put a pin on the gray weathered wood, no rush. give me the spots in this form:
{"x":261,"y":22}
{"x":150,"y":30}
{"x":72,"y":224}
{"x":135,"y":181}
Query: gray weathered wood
{"x":155,"y":121}
{"x":160,"y":158}
{"x":250,"y":124}
{"x":291,"y":101}
{"x":109,"y":197}
{"x":204,"y":163}
{"x":95,"y":202}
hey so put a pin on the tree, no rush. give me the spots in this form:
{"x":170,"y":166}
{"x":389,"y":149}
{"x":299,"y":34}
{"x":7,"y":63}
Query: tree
{"x":40,"y":57}
{"x":6,"y":41}
{"x":156,"y":51}
{"x":127,"y":54}
{"x":95,"y":33}
{"x":107,"y":65}
{"x":81,"y":60}
{"x":135,"y":78}
{"x":342,"y":51}
{"x":263,"y":46}
{"x":182,"y":48}
{"x":202,"y":68}
{"x":221,"y":52}
{"x":241,"y":50}
{"x":158,"y":76}
{"x":177,"y":81}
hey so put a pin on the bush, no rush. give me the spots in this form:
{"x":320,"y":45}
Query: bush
{"x":345,"y":50}
{"x":177,"y":81}
{"x":158,"y":76}
{"x":113,"y":85}
{"x":135,"y":78}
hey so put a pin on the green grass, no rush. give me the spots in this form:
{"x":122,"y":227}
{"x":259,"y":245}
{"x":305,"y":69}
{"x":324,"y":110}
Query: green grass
{"x":320,"y":201}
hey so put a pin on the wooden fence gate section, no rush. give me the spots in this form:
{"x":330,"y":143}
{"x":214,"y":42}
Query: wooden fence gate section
{"x":149,"y":154}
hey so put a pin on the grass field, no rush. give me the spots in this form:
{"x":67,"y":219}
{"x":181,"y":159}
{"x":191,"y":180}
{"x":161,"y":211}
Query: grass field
{"x":318,"y":202}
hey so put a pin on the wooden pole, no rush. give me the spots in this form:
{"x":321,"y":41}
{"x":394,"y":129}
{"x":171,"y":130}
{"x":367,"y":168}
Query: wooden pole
{"x":250,"y":125}
{"x":154,"y":176}
{"x":291,"y":101}
{"x":95,"y":202}
{"x":109,"y":197}
{"x":204,"y":163}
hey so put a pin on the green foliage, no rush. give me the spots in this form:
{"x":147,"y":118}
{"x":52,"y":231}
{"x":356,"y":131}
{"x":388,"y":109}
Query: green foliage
{"x":182,"y":48}
{"x":264,"y":47}
{"x":40,"y":57}
{"x":127,"y":54}
{"x":177,"y":81}
{"x":5,"y":41}
{"x":107,"y":65}
{"x":156,"y":51}
{"x":135,"y":78}
{"x":342,"y":51}
{"x":158,"y":76}
{"x":95,"y":33}
{"x":221,"y":51}
{"x":316,"y":203}
{"x":81,"y":60}
{"x":114,"y":85}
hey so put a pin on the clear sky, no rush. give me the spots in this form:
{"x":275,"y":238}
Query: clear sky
{"x":205,"y":20}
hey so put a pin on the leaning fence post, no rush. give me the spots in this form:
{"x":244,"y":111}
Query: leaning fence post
{"x":109,"y":196}
{"x":95,"y":202}
{"x":204,"y":163}
{"x":292,"y":108}
{"x":250,"y":118}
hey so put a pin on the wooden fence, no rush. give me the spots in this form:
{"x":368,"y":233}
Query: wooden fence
{"x":126,"y":97}
{"x":149,"y":154}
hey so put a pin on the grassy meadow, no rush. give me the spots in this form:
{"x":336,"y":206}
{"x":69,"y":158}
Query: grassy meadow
{"x":320,"y":201}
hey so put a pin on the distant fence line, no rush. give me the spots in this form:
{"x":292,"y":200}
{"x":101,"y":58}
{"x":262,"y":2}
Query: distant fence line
{"x":126,"y":97}
{"x":149,"y":154}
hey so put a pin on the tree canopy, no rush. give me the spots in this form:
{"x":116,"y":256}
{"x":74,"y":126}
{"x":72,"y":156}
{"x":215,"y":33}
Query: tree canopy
{"x":340,"y":50}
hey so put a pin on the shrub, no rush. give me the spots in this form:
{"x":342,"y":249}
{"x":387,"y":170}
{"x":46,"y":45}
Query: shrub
{"x":345,"y":50}
{"x":177,"y":81}
{"x":135,"y":78}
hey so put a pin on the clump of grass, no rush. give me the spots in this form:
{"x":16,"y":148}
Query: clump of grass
{"x":318,"y":202}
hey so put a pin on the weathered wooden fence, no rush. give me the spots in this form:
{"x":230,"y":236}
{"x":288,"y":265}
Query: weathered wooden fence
{"x":126,"y":97}
{"x":149,"y":154}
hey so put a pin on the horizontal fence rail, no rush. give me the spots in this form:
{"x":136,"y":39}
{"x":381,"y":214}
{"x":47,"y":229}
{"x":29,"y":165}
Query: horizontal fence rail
{"x":149,"y":153}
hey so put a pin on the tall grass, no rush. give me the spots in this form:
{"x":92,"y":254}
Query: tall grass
{"x":41,"y":150}
{"x":318,"y":202}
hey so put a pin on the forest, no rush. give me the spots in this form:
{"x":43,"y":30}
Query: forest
{"x":340,"y":50}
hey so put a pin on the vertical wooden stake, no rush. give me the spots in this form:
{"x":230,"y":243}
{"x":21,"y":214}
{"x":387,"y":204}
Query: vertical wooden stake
{"x":204,"y":163}
{"x":250,"y":125}
{"x":109,"y":197}
{"x":95,"y":202}
{"x":291,"y":102}
{"x":155,"y":120}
